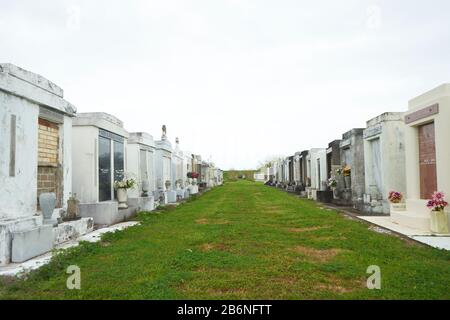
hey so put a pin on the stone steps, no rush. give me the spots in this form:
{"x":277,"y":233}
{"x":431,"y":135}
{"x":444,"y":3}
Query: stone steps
{"x":416,"y":216}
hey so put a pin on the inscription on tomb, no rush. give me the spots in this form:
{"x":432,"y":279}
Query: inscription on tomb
{"x":370,"y":132}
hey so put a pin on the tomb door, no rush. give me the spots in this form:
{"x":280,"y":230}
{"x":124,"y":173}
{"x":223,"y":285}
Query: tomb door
{"x":427,"y":161}
{"x":49,"y":177}
{"x":143,"y":172}
{"x":150,"y":170}
{"x":119,"y":163}
{"x":302,"y":173}
{"x":319,"y":184}
{"x":291,"y":170}
{"x":180,"y":170}
{"x":166,"y":169}
{"x":376,"y":165}
{"x":104,"y":169}
{"x":111,"y":163}
{"x":329,"y":158}
{"x":308,"y":182}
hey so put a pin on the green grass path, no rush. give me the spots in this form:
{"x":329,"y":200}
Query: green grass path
{"x":242,"y":241}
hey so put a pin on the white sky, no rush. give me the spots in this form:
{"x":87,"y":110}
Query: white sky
{"x":236,"y":80}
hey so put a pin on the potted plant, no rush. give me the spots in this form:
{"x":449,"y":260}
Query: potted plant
{"x":346,"y":172}
{"x":192,"y":175}
{"x":332,"y":183}
{"x":439,"y":218}
{"x":396,"y":201}
{"x":121,"y":188}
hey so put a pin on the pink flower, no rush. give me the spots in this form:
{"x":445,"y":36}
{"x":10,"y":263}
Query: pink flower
{"x":395,"y":196}
{"x":437,"y":202}
{"x":438,"y":195}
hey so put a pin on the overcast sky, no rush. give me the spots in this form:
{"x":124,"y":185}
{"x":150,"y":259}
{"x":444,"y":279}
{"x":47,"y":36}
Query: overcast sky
{"x":235,"y":80}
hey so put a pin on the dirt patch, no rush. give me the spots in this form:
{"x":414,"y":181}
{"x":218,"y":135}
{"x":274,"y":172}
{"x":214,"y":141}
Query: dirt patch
{"x":318,"y":255}
{"x":337,"y":285}
{"x":201,"y":221}
{"x":213,"y":246}
{"x":206,"y":221}
{"x":221,"y":222}
{"x":296,"y":230}
{"x":240,"y":292}
{"x":285,"y":281}
{"x":333,"y":288}
{"x":342,"y":238}
{"x":7,"y":280}
{"x":271,"y":208}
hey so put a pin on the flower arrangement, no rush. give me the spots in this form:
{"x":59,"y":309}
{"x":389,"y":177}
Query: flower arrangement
{"x":395,"y":197}
{"x":125,"y":184}
{"x":193,"y":175}
{"x":339,"y":171}
{"x":437,"y":202}
{"x":332,"y":183}
{"x":346,"y":171}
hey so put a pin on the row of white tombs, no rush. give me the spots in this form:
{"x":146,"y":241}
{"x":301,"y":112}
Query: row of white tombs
{"x":62,"y":173}
{"x":399,"y":165}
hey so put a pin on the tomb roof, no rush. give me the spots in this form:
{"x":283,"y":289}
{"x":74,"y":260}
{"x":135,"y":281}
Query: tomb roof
{"x":352,"y":132}
{"x":164,"y":145}
{"x":141,"y":138}
{"x":387,"y":116}
{"x":430,"y":97}
{"x":100,"y":120}
{"x":33,"y":87}
{"x":334,"y":143}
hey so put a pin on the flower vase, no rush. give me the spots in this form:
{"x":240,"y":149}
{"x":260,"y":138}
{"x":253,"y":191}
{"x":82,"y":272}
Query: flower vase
{"x":335,"y":193}
{"x":47,"y":202}
{"x":398,"y":206}
{"x":348,"y":182}
{"x":122,"y":198}
{"x":439,"y":222}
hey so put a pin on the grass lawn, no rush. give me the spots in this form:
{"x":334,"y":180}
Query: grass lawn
{"x":242,"y":241}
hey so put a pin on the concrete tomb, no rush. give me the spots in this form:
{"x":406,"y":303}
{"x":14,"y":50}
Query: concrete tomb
{"x":427,"y":155}
{"x":35,"y":158}
{"x":291,"y":180}
{"x":178,"y":171}
{"x":352,"y":169}
{"x":316,"y":170}
{"x":384,"y":160}
{"x":296,"y":170}
{"x":141,"y":165}
{"x":335,"y":181}
{"x":99,"y":149}
{"x":303,"y":170}
{"x":163,"y":167}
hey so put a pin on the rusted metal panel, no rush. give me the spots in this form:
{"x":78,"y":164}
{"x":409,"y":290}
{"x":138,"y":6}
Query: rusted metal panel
{"x":427,"y":161}
{"x":422,"y":113}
